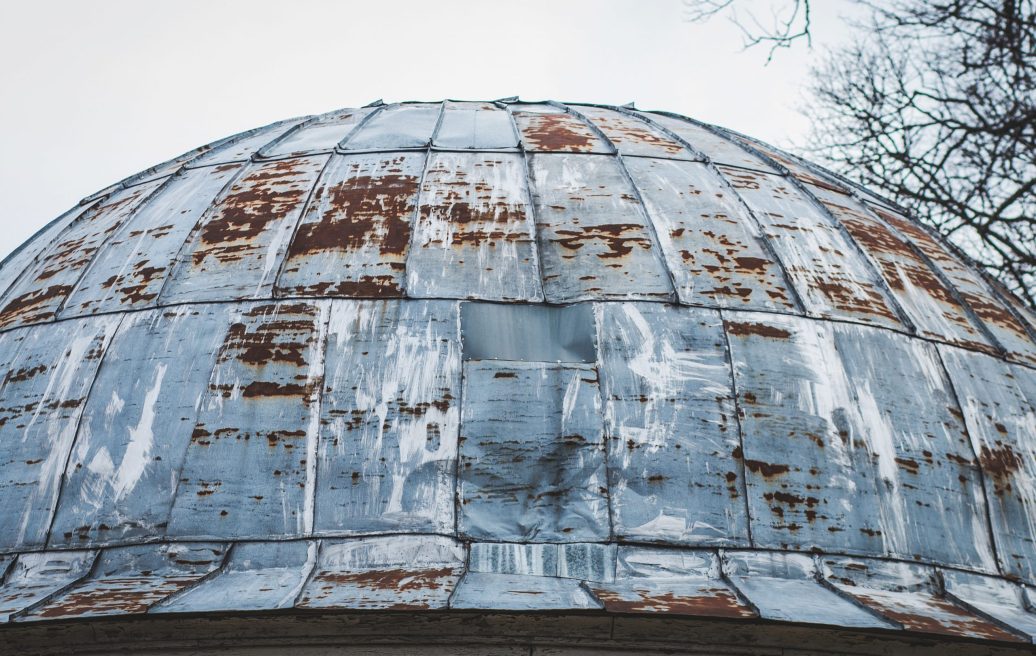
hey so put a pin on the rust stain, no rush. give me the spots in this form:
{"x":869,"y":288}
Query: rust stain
{"x":748,"y":328}
{"x":956,"y":621}
{"x":555,"y":132}
{"x":397,"y":580}
{"x":619,"y":238}
{"x":713,"y":602}
{"x":624,"y":130}
{"x":124,"y":595}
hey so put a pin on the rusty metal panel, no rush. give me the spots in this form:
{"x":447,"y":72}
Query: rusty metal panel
{"x":389,"y":418}
{"x":237,"y":248}
{"x":999,"y":599}
{"x":45,"y":386}
{"x":671,"y":582}
{"x":251,"y":463}
{"x":474,"y":236}
{"x":516,"y":592}
{"x":255,"y":576}
{"x":532,"y":461}
{"x":832,"y":278}
{"x":594,"y":239}
{"x":406,"y":572}
{"x":130,"y":269}
{"x":716,"y":148}
{"x":550,"y":129}
{"x":907,"y":594}
{"x":634,"y":136}
{"x":136,"y":426}
{"x":711,"y":244}
{"x":242,"y":147}
{"x":398,"y":126}
{"x":479,"y":126}
{"x":784,"y":587}
{"x":999,"y":406}
{"x":838,"y":458}
{"x":354,"y":237}
{"x":36,"y":576}
{"x":131,"y":580}
{"x":671,"y":426}
{"x":320,"y":136}
{"x":46,"y":284}
{"x":530,"y":333}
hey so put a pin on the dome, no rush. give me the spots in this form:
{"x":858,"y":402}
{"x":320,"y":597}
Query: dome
{"x":524,"y":369}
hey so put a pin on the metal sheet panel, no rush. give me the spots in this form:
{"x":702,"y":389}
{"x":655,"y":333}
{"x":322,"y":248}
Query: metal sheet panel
{"x":711,"y":244}
{"x":354,"y":237}
{"x":515,"y":592}
{"x":46,"y":284}
{"x":131,"y":268}
{"x":633,"y":136}
{"x":36,"y":576}
{"x":245,"y":145}
{"x":514,"y":558}
{"x":398,"y":126}
{"x":136,"y":426}
{"x":256,"y":576}
{"x":408,"y":572}
{"x":251,"y":464}
{"x":671,"y":426}
{"x":1002,"y":600}
{"x":320,"y":136}
{"x":594,"y":238}
{"x":238,"y":246}
{"x":44,"y":389}
{"x":532,"y":462}
{"x":481,"y":126}
{"x":549,"y":129}
{"x":529,"y":333}
{"x":389,"y":418}
{"x":131,"y":580}
{"x":474,"y":236}
{"x":587,"y":561}
{"x":714,"y":147}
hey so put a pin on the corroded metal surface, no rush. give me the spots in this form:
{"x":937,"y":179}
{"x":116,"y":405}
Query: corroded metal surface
{"x":512,"y":357}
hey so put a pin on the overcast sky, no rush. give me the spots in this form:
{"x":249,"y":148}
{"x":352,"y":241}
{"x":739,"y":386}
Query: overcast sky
{"x":95,"y":91}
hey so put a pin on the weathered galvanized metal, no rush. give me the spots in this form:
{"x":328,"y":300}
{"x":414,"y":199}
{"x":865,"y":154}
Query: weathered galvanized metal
{"x":504,"y":357}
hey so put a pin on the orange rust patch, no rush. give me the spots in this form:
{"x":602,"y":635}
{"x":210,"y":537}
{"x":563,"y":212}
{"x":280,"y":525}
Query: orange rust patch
{"x":751,"y":328}
{"x":713,"y":602}
{"x":555,"y":132}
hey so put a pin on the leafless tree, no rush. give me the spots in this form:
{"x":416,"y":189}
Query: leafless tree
{"x":788,"y":23}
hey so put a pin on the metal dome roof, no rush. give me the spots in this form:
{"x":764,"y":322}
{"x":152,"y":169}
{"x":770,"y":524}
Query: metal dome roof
{"x":512,"y":356}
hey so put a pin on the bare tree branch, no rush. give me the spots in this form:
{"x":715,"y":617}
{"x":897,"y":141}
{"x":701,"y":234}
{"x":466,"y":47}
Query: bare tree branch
{"x":785,"y":27}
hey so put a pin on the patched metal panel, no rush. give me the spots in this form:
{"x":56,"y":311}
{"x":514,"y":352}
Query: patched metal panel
{"x":907,"y":595}
{"x":515,"y":592}
{"x":320,"y":136}
{"x":671,"y":426}
{"x":131,"y":268}
{"x":711,"y":244}
{"x":784,"y":587}
{"x":389,"y":418}
{"x":532,"y":461}
{"x":514,"y":558}
{"x":714,"y":147}
{"x":474,"y":236}
{"x":46,"y":284}
{"x":354,"y":237}
{"x":238,"y":246}
{"x":416,"y":572}
{"x":44,"y":389}
{"x":255,"y":576}
{"x":398,"y":126}
{"x":587,"y":561}
{"x":1002,"y":600}
{"x":136,"y":426}
{"x":481,"y":126}
{"x":550,"y":129}
{"x":245,"y":145}
{"x":634,"y":136}
{"x":832,"y":278}
{"x":594,"y":238}
{"x":837,"y":457}
{"x":250,"y":467}
{"x":36,"y":576}
{"x":132,"y":580}
{"x":531,"y":333}
{"x":670,"y":582}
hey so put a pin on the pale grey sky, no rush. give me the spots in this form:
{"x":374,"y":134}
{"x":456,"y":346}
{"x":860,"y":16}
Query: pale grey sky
{"x":95,"y":91}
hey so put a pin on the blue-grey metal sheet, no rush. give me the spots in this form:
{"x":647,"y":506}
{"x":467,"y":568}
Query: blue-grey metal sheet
{"x":242,"y":147}
{"x":320,"y":136}
{"x":45,"y":386}
{"x":132,"y":579}
{"x":251,"y":465}
{"x":237,"y":248}
{"x":389,"y":418}
{"x":516,"y":592}
{"x":405,"y":572}
{"x":1001,"y":420}
{"x":255,"y":576}
{"x":587,"y":561}
{"x":354,"y":237}
{"x":532,"y":461}
{"x":131,"y":267}
{"x":784,"y":587}
{"x":550,"y":129}
{"x":479,"y":126}
{"x":513,"y":558}
{"x":530,"y":333}
{"x":47,"y":282}
{"x":474,"y":236}
{"x":36,"y":576}
{"x":832,"y":278}
{"x":1002,"y":600}
{"x":714,"y":147}
{"x":594,"y":238}
{"x":671,"y":426}
{"x":711,"y":244}
{"x":398,"y":126}
{"x":136,"y":426}
{"x":634,"y":136}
